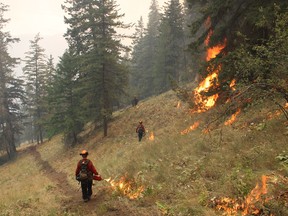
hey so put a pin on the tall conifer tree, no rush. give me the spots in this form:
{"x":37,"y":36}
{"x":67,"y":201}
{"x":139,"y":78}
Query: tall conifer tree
{"x":92,"y":34}
{"x":144,"y":55}
{"x":11,"y":91}
{"x":65,"y":110}
{"x":137,"y":75}
{"x":171,"y":46}
{"x":35,"y":71}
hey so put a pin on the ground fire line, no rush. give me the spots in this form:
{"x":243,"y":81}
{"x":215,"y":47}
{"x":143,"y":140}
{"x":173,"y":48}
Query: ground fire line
{"x":127,"y":187}
{"x":255,"y":202}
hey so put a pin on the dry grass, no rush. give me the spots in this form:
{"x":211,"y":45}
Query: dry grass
{"x":24,"y":190}
{"x":181,"y":173}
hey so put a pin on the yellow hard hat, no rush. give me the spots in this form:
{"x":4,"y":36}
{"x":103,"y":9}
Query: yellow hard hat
{"x":84,"y":152}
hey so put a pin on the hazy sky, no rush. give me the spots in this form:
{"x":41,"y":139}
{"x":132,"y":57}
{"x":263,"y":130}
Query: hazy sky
{"x":29,"y":17}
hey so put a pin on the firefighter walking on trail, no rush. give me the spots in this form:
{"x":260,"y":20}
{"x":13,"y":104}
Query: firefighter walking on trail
{"x":140,"y":130}
{"x":85,"y":173}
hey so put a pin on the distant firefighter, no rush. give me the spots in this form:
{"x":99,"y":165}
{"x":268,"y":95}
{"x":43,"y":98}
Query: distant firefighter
{"x":135,"y":101}
{"x":140,"y":130}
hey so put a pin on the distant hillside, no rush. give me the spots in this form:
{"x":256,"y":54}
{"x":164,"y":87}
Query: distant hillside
{"x":180,"y":168}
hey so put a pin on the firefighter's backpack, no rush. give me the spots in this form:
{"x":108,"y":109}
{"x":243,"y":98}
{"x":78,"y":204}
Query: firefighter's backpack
{"x":141,"y":129}
{"x":84,"y":174}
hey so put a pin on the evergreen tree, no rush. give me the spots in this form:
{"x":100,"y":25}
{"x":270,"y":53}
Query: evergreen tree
{"x":137,"y":62}
{"x":50,"y":71}
{"x":191,"y":59}
{"x":139,"y":31}
{"x":64,"y":107}
{"x":35,"y":71}
{"x":11,"y":91}
{"x":171,"y":46}
{"x":92,"y":34}
{"x":144,"y":55}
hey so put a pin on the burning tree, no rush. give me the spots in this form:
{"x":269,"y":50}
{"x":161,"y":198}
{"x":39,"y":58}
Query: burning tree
{"x":245,"y":61}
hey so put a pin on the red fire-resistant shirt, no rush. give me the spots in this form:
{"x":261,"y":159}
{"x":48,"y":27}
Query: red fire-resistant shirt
{"x":140,"y":126}
{"x":90,"y":167}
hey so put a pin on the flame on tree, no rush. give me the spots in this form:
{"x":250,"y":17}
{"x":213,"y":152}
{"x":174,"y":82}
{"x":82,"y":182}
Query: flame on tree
{"x":202,"y":102}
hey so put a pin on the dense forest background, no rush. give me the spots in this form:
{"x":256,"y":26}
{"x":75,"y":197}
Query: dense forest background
{"x":98,"y":73}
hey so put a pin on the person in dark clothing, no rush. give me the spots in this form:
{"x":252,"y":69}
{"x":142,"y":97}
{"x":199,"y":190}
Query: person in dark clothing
{"x":135,"y":101}
{"x":85,"y":172}
{"x":140,"y":130}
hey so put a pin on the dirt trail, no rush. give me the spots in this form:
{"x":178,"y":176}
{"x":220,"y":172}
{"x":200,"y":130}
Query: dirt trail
{"x":101,"y":204}
{"x":59,"y":178}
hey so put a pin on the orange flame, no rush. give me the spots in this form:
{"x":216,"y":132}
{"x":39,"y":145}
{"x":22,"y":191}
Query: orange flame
{"x":248,"y":207}
{"x":208,"y":25}
{"x":205,"y":103}
{"x":191,"y":128}
{"x":207,"y":82}
{"x":255,"y":196}
{"x":207,"y":39}
{"x":126,"y":187}
{"x":233,"y":118}
{"x":151,"y":137}
{"x":212,"y":52}
{"x":206,"y":130}
{"x":208,"y":22}
{"x":277,"y":113}
{"x":228,"y":205}
{"x":232,"y":84}
{"x":179,"y":104}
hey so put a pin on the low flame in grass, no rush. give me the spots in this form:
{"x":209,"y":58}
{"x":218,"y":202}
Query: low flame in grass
{"x":128,"y":188}
{"x":252,"y":205}
{"x":277,"y":113}
{"x":191,"y":128}
{"x":151,"y":136}
{"x":272,"y":115}
{"x":206,"y":130}
{"x":228,"y":205}
{"x":179,"y":104}
{"x":233,"y":118}
{"x":232,"y":85}
{"x":255,"y":196}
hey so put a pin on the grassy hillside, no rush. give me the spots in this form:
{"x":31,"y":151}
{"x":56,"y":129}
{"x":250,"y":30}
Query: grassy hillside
{"x":186,"y":173}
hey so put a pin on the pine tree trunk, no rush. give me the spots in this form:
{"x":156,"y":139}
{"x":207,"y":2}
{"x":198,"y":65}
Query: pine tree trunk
{"x":41,"y":134}
{"x":10,"y":140}
{"x":105,"y":126}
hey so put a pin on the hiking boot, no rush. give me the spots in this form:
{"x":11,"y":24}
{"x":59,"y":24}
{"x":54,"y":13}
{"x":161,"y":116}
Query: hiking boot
{"x":86,"y":200}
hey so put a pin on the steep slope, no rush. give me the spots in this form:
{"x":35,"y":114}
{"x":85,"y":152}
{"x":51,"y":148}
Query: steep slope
{"x":181,"y":173}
